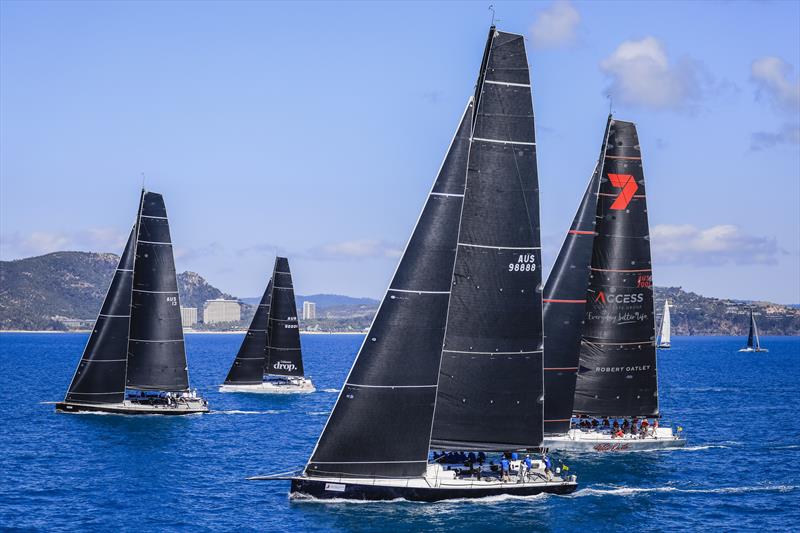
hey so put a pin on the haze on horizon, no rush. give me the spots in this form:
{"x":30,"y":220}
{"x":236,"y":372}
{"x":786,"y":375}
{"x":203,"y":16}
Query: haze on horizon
{"x":315,"y":130}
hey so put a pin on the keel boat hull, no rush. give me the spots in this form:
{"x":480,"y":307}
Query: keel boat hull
{"x":290,"y":386}
{"x":322,"y":489}
{"x":595,"y":441}
{"x":130,"y":408}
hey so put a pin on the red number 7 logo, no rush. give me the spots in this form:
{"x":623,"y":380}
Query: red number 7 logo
{"x":628,"y":186}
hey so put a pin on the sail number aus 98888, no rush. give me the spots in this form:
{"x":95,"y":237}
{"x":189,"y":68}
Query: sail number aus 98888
{"x":525,"y":263}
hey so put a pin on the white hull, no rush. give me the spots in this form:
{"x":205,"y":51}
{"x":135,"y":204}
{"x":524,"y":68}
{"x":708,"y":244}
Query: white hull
{"x":665,"y":346}
{"x":752,"y":350}
{"x":274,"y":386}
{"x":577,"y":440}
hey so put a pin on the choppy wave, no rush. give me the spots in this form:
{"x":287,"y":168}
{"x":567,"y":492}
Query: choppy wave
{"x":317,"y":413}
{"x":632,"y":491}
{"x":329,"y":390}
{"x":705,"y":389}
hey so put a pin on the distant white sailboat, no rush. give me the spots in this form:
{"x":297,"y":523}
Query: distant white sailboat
{"x":666,"y":326}
{"x":753,"y":344}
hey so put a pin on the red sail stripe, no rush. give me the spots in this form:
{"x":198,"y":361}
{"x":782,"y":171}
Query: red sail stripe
{"x":554,"y":301}
{"x":578,"y":232}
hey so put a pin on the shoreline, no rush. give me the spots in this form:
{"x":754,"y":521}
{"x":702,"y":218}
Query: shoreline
{"x":190,"y":332}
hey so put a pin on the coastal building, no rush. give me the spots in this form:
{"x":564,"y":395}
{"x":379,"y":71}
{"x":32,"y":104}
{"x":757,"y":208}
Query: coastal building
{"x":309,"y":310}
{"x":188,"y":316}
{"x":221,"y":310}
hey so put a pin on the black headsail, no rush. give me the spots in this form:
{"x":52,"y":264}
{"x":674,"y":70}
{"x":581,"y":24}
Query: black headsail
{"x":248,"y":367}
{"x":284,"y":357}
{"x":381,"y":423}
{"x":565,"y":307}
{"x":617,"y":370}
{"x":156,"y":355}
{"x":490,"y":382}
{"x":100,"y":376}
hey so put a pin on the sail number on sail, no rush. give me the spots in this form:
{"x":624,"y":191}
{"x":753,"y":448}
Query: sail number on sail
{"x":525,"y":263}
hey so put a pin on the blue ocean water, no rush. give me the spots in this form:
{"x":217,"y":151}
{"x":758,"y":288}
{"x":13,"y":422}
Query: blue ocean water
{"x":740,"y":470}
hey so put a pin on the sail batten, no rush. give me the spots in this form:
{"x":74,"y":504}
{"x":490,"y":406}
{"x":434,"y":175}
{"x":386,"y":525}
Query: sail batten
{"x":381,"y":423}
{"x":617,"y":373}
{"x":486,"y":399}
{"x":100,"y":375}
{"x":156,"y":353}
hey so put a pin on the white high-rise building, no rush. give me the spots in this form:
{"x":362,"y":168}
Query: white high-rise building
{"x":188,"y":316}
{"x":309,"y":310}
{"x":221,"y":310}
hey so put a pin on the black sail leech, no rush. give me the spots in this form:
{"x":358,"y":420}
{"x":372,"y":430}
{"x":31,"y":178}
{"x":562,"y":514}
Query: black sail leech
{"x":617,"y":369}
{"x":565,"y":307}
{"x":490,"y":382}
{"x":156,"y":355}
{"x":750,"y":336}
{"x":284,"y":357}
{"x":100,"y":376}
{"x":381,"y":423}
{"x":249,"y":365}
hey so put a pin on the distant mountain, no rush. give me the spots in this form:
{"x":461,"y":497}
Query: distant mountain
{"x":37,"y":291}
{"x":323,"y":301}
{"x":63,"y":289}
{"x":692,"y":314}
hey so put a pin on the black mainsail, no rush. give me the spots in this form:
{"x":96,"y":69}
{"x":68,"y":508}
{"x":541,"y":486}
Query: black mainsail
{"x":752,"y":334}
{"x":156,"y":355}
{"x":617,"y":370}
{"x":565,"y":307}
{"x":490,"y":383}
{"x":381,"y":423}
{"x":100,"y":376}
{"x":248,"y":367}
{"x":284,"y":357}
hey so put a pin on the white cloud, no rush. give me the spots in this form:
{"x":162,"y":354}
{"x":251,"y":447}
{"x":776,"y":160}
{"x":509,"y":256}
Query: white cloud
{"x":556,"y":25}
{"x":16,"y":245}
{"x":642,"y":75}
{"x":788,"y":134}
{"x":771,"y":76}
{"x":717,"y":245}
{"x":355,"y":249}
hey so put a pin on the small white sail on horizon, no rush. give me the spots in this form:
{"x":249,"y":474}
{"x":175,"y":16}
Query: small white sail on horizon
{"x":666,"y":327}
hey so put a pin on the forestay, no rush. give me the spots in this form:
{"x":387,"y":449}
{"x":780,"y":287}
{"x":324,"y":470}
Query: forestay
{"x":100,"y":376}
{"x":248,"y":367}
{"x":381,"y":423}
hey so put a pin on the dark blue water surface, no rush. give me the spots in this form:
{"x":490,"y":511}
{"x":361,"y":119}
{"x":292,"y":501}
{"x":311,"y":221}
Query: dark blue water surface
{"x":741,"y":469}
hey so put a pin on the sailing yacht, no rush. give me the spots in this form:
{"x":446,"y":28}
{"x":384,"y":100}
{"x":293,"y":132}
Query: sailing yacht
{"x":453,"y":359}
{"x":135,"y":361}
{"x":600,"y":353}
{"x":664,"y":336}
{"x":753,"y":343}
{"x":270,"y":359}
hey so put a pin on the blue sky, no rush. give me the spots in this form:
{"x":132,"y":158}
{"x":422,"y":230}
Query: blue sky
{"x":315,"y":129}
